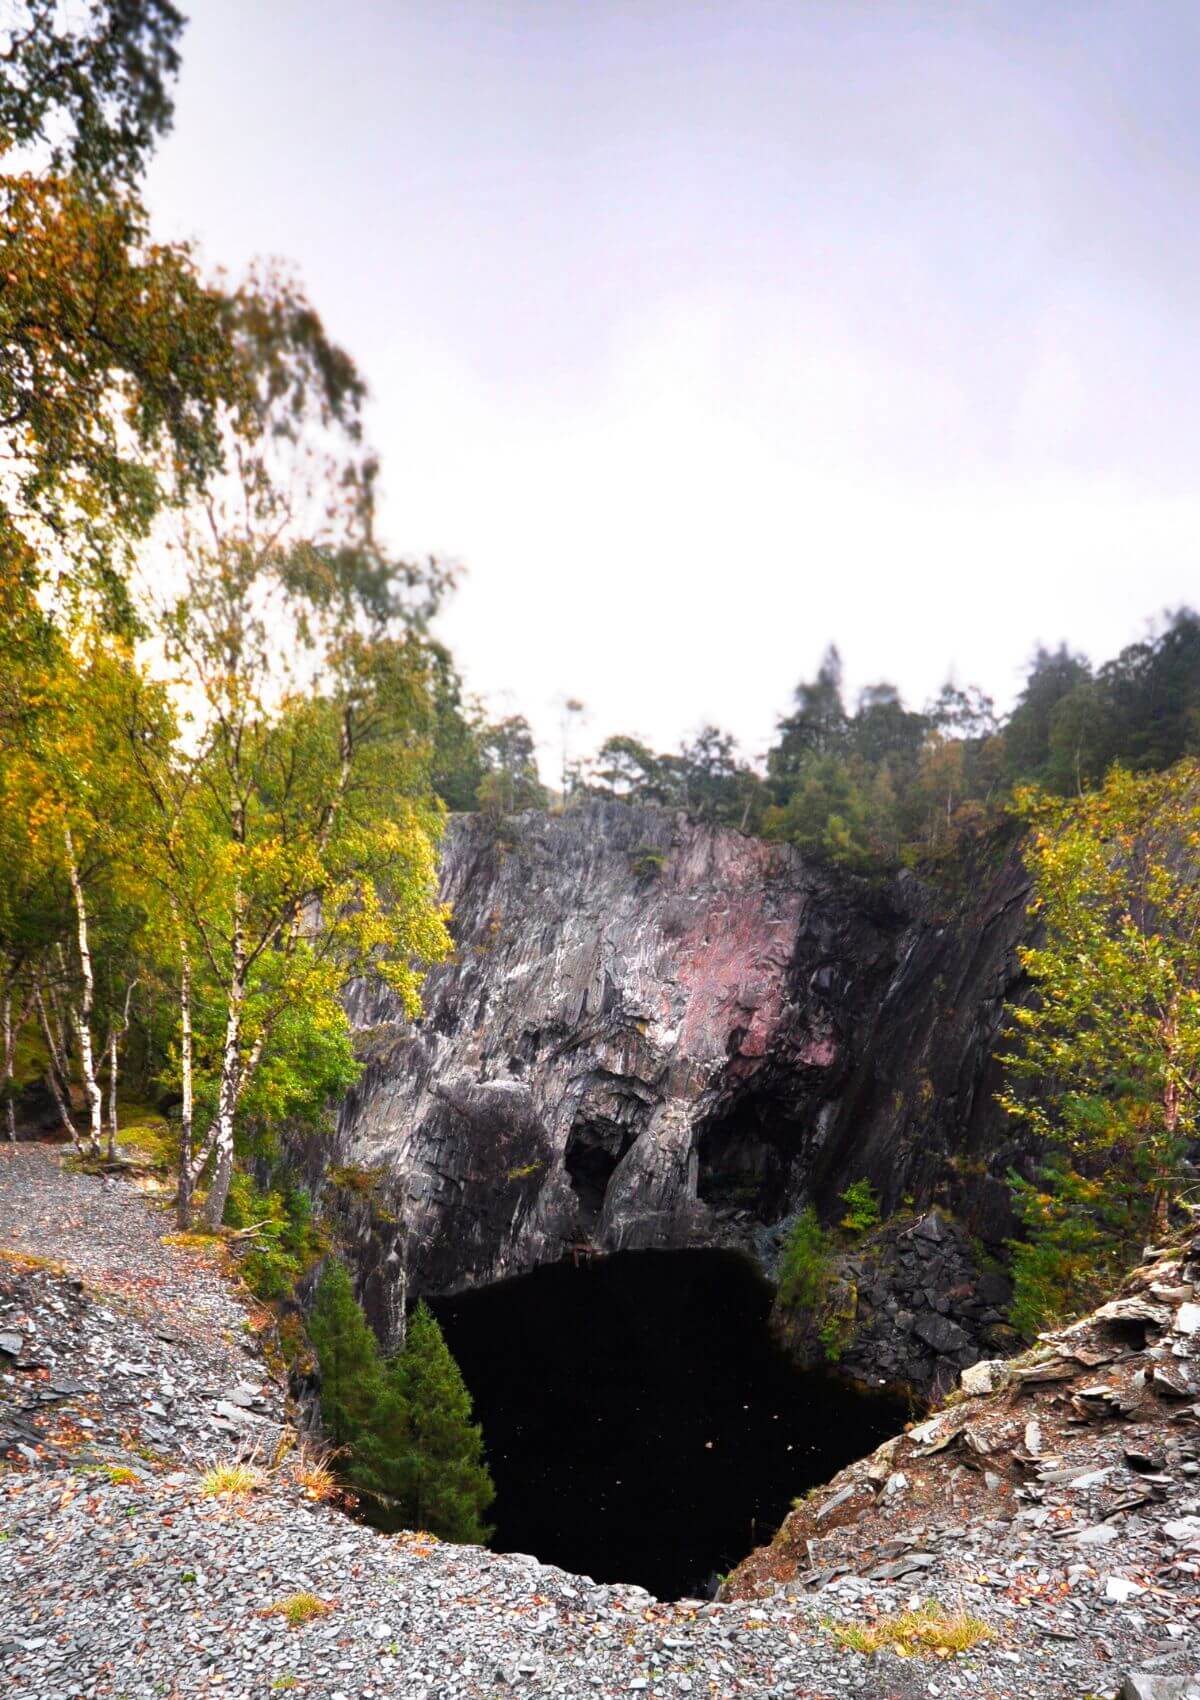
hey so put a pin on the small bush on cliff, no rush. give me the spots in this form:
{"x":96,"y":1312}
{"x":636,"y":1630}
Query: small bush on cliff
{"x":285,"y":1240}
{"x":805,"y":1262}
{"x":809,"y":1284}
{"x":1080,"y":1233}
{"x":862,"y":1207}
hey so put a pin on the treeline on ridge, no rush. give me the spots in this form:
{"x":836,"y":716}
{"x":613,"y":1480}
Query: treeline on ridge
{"x":876,"y":783}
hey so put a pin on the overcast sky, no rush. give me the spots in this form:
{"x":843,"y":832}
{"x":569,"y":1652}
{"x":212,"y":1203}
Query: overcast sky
{"x":702,"y":334}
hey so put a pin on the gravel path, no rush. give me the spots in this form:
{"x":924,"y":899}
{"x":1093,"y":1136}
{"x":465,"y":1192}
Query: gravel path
{"x":112,"y":1236}
{"x":132,"y":1361}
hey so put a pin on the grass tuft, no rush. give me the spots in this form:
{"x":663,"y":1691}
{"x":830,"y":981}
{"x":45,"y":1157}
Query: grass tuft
{"x":929,"y":1631}
{"x":230,"y":1481}
{"x":193,"y":1240}
{"x":300,"y":1608}
{"x":120,"y":1475}
{"x":315,"y":1477}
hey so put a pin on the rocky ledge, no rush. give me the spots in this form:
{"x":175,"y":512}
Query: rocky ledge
{"x":910,"y":1307}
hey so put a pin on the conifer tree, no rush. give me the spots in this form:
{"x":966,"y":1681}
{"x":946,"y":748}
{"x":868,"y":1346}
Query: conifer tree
{"x":348,"y":1354}
{"x":443,"y":1482}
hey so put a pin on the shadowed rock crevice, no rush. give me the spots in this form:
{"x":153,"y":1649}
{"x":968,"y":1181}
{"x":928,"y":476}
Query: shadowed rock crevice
{"x":594,"y":1148}
{"x":750,"y":1160}
{"x":611,"y":1111}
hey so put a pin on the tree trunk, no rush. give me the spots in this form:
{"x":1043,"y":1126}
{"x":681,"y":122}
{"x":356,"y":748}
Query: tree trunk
{"x":114,"y":1040}
{"x":54,"y":1074}
{"x":83,"y":1014}
{"x":10,"y":1114}
{"x":1160,"y":1220}
{"x":112,"y":1095}
{"x":10,"y":1045}
{"x":62,"y":1031}
{"x":183,"y":1198}
{"x":230,"y":1086}
{"x":1161,"y":1204}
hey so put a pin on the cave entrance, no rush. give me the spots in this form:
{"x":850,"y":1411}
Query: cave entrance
{"x":746,"y":1159}
{"x":594,"y":1148}
{"x":641,"y":1424}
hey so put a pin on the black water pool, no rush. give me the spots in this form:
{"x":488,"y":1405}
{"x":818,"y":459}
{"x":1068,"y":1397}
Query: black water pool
{"x":641,"y":1424}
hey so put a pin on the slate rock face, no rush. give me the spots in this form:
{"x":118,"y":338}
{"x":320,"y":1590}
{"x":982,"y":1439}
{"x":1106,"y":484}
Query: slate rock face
{"x":655,"y":1033}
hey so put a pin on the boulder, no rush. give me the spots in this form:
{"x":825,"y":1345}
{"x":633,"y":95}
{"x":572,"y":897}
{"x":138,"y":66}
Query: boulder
{"x":939,"y":1332}
{"x":1144,"y":1685}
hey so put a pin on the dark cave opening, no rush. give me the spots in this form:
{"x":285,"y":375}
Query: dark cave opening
{"x":641,"y":1423}
{"x":745,"y":1160}
{"x":594,"y":1148}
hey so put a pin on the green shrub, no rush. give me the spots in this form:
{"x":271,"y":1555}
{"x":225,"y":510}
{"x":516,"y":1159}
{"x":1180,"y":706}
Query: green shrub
{"x":1081,"y":1233}
{"x":647,"y":862}
{"x":808,"y":1284}
{"x":805,"y":1261}
{"x":862,"y":1207}
{"x":838,"y":1313}
{"x":285,"y":1241}
{"x":348,"y":1353}
{"x":442,"y":1480}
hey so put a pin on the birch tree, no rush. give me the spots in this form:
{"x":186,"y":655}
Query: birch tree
{"x":291,"y":814}
{"x":315,"y":817}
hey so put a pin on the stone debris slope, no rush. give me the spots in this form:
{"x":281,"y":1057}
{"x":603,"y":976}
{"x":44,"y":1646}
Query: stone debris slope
{"x":126,"y":1369}
{"x":1064,"y":1484}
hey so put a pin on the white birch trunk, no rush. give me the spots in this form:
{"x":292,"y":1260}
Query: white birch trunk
{"x":64,"y":1037}
{"x":83,"y":1012}
{"x":114,"y":1040}
{"x":221,"y":1133}
{"x":10,"y":1045}
{"x":55,"y":1073}
{"x":183,"y":1200}
{"x":112,"y":1094}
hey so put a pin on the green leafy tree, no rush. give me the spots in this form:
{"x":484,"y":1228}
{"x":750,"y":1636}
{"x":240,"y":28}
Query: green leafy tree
{"x":457,"y":763}
{"x":862,"y":1207}
{"x":89,"y":85}
{"x":627,"y":768}
{"x":1107,"y":1069}
{"x":510,"y":781}
{"x":827,"y":813}
{"x":405,"y":1423}
{"x":1053,"y":675}
{"x":1079,"y":1229}
{"x":818,"y":723}
{"x":805,"y":1263}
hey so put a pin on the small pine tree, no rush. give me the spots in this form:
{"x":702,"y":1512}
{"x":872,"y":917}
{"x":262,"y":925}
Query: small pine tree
{"x":379,"y":1462}
{"x":348,"y":1354}
{"x":441,"y":1478}
{"x":805,"y":1260}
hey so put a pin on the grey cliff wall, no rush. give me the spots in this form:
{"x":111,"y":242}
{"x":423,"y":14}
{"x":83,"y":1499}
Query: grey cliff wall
{"x":655,"y":1033}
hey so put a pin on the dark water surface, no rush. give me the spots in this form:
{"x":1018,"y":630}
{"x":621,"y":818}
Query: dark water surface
{"x":641,"y":1425}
